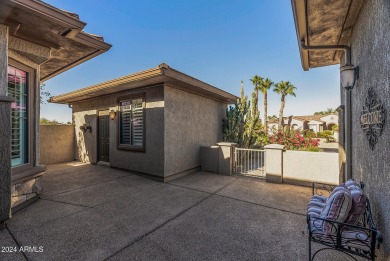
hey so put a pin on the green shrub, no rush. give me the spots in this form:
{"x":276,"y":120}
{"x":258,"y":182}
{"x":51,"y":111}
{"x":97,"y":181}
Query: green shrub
{"x":313,"y":149}
{"x":324,"y":134}
{"x":328,"y":132}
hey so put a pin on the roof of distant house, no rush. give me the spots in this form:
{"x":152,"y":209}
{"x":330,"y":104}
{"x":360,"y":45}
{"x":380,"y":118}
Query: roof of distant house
{"x":305,"y":118}
{"x":47,"y":36}
{"x":162,"y":74}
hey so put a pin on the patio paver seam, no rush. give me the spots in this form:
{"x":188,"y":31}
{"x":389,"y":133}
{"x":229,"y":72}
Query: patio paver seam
{"x":261,"y":205}
{"x":199,"y":190}
{"x":99,"y":183}
{"x":241,"y":200}
{"x":16,"y":241}
{"x":58,"y":201}
{"x":169,"y":220}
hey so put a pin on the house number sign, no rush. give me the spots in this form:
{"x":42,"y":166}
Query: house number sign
{"x":372,"y":118}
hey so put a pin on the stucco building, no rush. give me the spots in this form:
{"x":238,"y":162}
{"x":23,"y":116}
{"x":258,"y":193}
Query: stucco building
{"x":37,"y":42}
{"x":152,"y":122}
{"x":356,"y":35}
{"x":315,"y":123}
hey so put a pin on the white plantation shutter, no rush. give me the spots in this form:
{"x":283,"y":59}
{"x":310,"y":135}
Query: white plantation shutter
{"x":138,"y":123}
{"x":18,"y":89}
{"x":131,"y":122}
{"x":125,"y":122}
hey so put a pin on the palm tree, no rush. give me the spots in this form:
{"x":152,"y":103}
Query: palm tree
{"x":256,"y":81}
{"x":284,"y":88}
{"x":265,"y":85}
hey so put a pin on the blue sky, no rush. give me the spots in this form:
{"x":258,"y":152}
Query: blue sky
{"x":220,"y":42}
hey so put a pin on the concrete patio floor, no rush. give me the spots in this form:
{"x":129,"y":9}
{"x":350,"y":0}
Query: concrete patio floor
{"x":91,"y":212}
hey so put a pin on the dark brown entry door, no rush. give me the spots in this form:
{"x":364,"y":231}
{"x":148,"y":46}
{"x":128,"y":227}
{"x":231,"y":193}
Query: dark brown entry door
{"x":104,"y":137}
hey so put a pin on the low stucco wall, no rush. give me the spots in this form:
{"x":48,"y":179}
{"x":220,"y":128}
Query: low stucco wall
{"x":57,"y":143}
{"x":311,"y":166}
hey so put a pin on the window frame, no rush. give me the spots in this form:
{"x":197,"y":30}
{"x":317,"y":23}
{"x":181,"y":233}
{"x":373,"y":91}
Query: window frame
{"x":31,"y":134}
{"x":135,"y":148}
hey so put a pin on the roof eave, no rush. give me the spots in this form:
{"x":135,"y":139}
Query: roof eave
{"x":299,"y":13}
{"x":50,"y":12}
{"x":74,"y":64}
{"x":162,"y":74}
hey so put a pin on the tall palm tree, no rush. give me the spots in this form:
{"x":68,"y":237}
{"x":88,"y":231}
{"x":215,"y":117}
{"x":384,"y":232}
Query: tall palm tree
{"x":284,"y":88}
{"x":265,"y":85}
{"x":256,"y":81}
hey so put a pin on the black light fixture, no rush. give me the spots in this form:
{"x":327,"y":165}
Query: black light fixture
{"x":86,"y":127}
{"x":112,"y":115}
{"x":348,"y":76}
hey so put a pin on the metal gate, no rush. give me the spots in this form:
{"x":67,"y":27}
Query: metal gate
{"x":249,"y":162}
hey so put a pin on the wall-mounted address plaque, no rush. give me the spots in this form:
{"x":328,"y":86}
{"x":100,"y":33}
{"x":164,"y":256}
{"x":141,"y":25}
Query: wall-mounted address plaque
{"x":372,"y":118}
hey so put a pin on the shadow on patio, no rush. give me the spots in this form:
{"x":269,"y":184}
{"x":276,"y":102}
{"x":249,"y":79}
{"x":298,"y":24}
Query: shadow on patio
{"x":90,"y":212}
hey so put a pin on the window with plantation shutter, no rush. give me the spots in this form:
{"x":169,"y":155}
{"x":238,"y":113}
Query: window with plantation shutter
{"x":131,"y":123}
{"x":18,"y":89}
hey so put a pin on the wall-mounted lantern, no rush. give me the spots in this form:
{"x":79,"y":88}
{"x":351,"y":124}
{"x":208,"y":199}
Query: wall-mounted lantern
{"x":112,"y":115}
{"x":348,"y":76}
{"x":86,"y":127}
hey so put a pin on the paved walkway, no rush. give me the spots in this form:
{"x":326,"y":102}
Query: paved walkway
{"x":96,"y":213}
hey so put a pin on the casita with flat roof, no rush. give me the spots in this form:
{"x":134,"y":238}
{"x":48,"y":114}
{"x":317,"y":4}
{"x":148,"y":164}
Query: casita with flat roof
{"x":152,"y":122}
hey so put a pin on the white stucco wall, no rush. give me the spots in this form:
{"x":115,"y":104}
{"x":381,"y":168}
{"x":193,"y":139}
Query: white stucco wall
{"x":333,"y":118}
{"x":311,"y":166}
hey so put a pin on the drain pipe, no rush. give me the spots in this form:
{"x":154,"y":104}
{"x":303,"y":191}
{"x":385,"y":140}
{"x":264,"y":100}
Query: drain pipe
{"x":348,"y":109}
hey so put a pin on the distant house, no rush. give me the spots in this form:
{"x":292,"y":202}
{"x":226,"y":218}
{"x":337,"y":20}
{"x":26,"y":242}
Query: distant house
{"x":37,"y":42}
{"x":153,"y":122}
{"x":315,"y":123}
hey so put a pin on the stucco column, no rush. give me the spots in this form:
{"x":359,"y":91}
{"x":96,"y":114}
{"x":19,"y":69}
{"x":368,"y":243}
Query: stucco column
{"x":274,"y":163}
{"x":226,"y":157}
{"x":5,"y":131}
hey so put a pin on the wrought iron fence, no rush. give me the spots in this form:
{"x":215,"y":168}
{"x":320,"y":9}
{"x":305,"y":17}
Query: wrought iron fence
{"x":249,"y":162}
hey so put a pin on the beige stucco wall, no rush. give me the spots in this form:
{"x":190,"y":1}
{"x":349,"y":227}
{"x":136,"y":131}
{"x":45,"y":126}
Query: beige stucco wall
{"x":177,"y":124}
{"x":57,"y":143}
{"x":370,"y":44}
{"x":311,"y":166}
{"x":151,"y":161}
{"x":191,"y":121}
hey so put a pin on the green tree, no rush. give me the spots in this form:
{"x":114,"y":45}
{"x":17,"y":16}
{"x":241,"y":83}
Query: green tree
{"x":242,"y":124}
{"x":256,"y":81}
{"x":233,"y":126}
{"x":273,"y":117}
{"x":43,"y":93}
{"x":326,"y":112}
{"x":44,"y":121}
{"x":252,"y":122}
{"x":283,"y":88}
{"x":265,"y":85}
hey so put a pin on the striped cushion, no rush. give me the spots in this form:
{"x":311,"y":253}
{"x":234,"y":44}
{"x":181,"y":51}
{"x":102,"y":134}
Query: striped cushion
{"x":357,"y":239}
{"x":317,"y":198}
{"x":358,"y":202}
{"x":314,"y":211}
{"x":337,"y":208}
